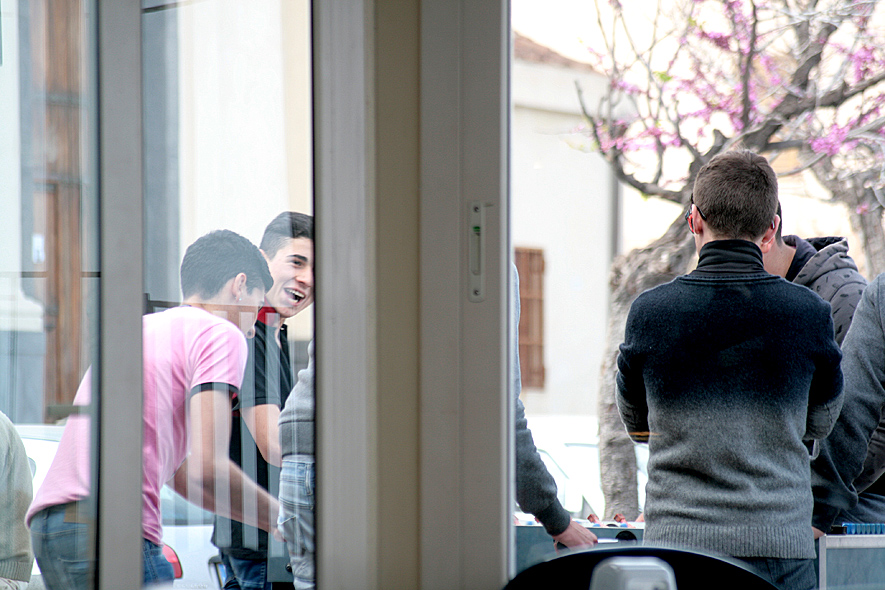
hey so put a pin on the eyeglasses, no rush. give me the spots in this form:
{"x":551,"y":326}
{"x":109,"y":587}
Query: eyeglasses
{"x":688,"y":212}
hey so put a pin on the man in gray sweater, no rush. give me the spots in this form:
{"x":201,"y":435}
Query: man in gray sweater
{"x":852,"y":457}
{"x":298,"y":477}
{"x":702,"y":378}
{"x":535,"y":487}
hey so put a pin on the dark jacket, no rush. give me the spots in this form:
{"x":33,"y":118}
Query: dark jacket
{"x":853,"y":456}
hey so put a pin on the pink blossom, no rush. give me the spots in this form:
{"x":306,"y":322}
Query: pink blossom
{"x":832,"y":142}
{"x":621,"y":84}
{"x":720,"y":40}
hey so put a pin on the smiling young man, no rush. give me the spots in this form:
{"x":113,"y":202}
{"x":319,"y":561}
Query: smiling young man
{"x":194,"y":358}
{"x":287,"y":245}
{"x":702,"y":379}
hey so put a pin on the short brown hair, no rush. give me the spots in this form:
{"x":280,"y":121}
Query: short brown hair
{"x":737,"y":193}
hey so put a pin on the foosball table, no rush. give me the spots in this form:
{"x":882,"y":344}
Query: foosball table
{"x":850,"y":556}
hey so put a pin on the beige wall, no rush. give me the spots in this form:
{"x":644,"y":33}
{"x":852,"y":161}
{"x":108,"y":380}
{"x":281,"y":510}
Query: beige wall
{"x":561,"y":203}
{"x":245,"y":130}
{"x":17,"y":312}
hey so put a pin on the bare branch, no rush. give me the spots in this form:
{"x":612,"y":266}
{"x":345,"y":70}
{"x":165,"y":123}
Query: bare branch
{"x":747,"y":68}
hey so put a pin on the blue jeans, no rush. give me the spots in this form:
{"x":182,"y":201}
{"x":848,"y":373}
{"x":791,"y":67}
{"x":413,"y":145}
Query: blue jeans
{"x":62,"y":550}
{"x":298,"y":482}
{"x":786,"y":574}
{"x":245,"y":574}
{"x":65,"y":554}
{"x":870,"y":508}
{"x":157,"y":569}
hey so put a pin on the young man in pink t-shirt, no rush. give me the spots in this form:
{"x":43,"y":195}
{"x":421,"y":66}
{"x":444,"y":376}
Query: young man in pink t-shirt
{"x":194,"y":358}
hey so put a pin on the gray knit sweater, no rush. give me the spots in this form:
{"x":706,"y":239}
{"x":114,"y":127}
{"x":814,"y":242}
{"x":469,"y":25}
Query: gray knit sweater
{"x":725,"y":371}
{"x":16,"y":559}
{"x":297,"y":416}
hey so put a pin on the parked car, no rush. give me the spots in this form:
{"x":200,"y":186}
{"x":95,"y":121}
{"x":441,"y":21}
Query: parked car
{"x":187,"y":529}
{"x":569,"y":446}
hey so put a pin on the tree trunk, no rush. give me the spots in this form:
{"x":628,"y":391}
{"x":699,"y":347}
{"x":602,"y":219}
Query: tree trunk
{"x":637,"y":271}
{"x":864,"y":209}
{"x":866,"y":221}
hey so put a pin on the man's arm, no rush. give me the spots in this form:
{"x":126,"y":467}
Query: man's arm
{"x":844,"y":303}
{"x":535,"y":487}
{"x":874,"y":464}
{"x":209,"y":478}
{"x":842,"y":453}
{"x":262,"y":422}
{"x":825,"y":395}
{"x":630,"y":392}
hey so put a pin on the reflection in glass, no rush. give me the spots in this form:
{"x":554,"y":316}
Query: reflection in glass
{"x":48,"y":258}
{"x":228,"y":146}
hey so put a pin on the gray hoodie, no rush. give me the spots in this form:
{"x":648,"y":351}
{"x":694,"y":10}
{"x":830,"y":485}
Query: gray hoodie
{"x":832,"y":274}
{"x":297,"y":416}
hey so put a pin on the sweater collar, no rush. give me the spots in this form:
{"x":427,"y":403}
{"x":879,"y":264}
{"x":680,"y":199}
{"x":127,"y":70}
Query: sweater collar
{"x":726,"y":257}
{"x":268,"y":310}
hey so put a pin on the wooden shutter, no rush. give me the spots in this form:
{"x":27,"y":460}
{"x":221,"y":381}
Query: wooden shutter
{"x":530,"y":264}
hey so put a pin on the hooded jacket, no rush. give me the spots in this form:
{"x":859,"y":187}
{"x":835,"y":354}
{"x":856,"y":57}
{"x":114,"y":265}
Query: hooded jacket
{"x":832,"y":274}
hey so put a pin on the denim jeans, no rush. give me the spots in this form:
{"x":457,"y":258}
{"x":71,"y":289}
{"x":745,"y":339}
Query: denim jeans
{"x":786,"y":574}
{"x":297,"y":504}
{"x":869,"y":508}
{"x":245,"y":574}
{"x":157,"y":569}
{"x":64,"y":554}
{"x":62,"y":550}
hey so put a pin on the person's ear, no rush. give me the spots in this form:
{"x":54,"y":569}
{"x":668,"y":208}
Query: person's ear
{"x":239,"y":286}
{"x":696,"y":224}
{"x":768,"y":236}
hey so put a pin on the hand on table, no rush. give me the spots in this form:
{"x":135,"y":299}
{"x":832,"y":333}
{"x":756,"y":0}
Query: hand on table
{"x":576,"y":536}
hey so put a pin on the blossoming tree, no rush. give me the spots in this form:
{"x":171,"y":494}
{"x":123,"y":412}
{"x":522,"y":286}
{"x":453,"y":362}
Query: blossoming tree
{"x":802,"y":81}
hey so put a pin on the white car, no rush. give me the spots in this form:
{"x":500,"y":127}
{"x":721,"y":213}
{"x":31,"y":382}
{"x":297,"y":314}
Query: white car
{"x":187,"y":529}
{"x":569,"y":446}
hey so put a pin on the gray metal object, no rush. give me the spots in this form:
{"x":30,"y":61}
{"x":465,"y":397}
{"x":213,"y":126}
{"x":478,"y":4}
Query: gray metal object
{"x":633,"y":573}
{"x":534,"y":545}
{"x":856,"y":561}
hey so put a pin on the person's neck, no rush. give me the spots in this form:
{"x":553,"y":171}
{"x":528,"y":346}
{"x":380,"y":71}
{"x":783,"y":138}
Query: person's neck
{"x":702,"y":239}
{"x":779,"y":259}
{"x":272,"y":319}
{"x":205,"y":304}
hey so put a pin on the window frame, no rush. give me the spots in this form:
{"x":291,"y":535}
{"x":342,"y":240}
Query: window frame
{"x":116,"y":28}
{"x":469,"y":409}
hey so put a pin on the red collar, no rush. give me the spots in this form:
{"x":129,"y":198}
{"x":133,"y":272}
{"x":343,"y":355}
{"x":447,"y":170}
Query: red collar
{"x":268,"y":310}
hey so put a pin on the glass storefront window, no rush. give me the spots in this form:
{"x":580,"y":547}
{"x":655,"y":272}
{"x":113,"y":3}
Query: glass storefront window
{"x":227,"y":128}
{"x":49,"y":266}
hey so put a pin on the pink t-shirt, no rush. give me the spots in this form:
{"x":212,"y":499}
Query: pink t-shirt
{"x":184,"y":347}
